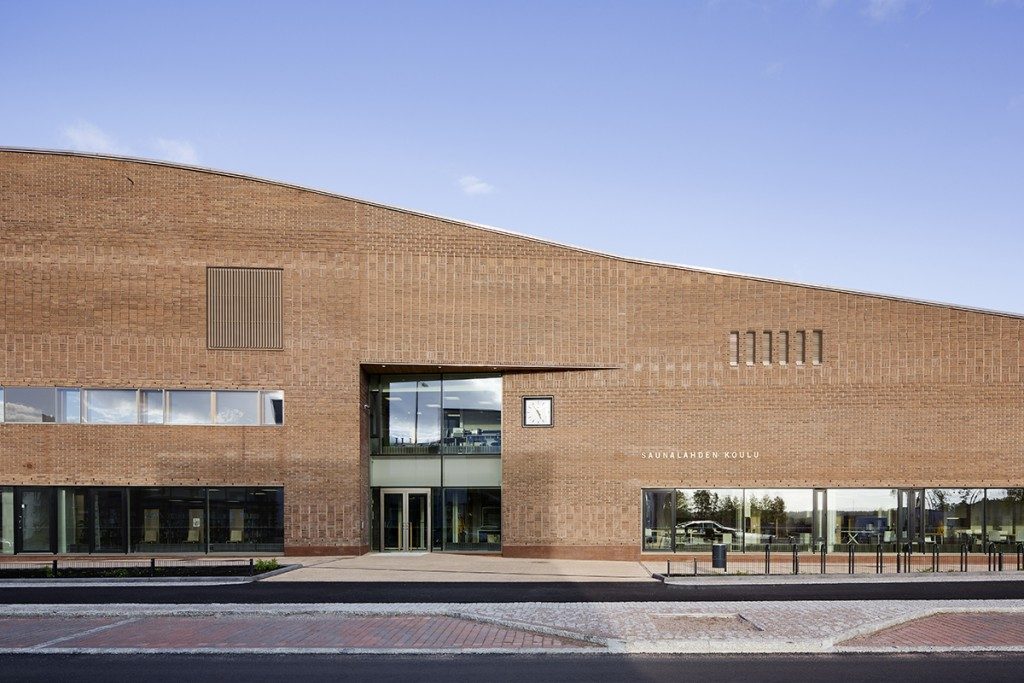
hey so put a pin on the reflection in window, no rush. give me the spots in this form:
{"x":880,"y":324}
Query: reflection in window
{"x":777,"y":516}
{"x":861,"y":516}
{"x":273,"y":407}
{"x":433,"y":414}
{"x":472,"y":414}
{"x":658,"y":520}
{"x":166,"y":519}
{"x":111,"y":406}
{"x":238,"y":407}
{"x":472,"y":519}
{"x":246,"y":519}
{"x":954,"y":517}
{"x":705,"y":516}
{"x":28,"y":404}
{"x":6,"y":520}
{"x":152,"y":407}
{"x":69,"y":406}
{"x":1005,"y":515}
{"x":1,"y":404}
{"x":186,"y":407}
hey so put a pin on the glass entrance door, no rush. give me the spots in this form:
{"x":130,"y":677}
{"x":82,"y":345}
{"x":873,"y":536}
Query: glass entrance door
{"x":405,"y":519}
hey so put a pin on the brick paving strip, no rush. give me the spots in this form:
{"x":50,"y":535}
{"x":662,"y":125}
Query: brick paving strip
{"x":949,"y":630}
{"x":639,"y":627}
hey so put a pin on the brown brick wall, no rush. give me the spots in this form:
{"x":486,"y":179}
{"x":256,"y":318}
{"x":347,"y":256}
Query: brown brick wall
{"x":103,"y":284}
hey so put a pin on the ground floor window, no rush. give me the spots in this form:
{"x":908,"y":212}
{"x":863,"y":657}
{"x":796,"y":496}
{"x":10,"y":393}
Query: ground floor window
{"x":747,"y":519}
{"x":151,"y":519}
{"x":460,"y":519}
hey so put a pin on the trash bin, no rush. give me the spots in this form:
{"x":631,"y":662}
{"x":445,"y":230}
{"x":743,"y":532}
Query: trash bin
{"x":718,"y":551}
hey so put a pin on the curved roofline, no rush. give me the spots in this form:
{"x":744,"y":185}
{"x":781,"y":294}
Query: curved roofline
{"x":512,"y":233}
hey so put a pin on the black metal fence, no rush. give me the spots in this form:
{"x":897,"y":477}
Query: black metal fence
{"x":854,"y":559}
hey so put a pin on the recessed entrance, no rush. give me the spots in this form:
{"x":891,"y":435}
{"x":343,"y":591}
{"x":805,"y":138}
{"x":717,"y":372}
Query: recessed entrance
{"x":405,"y":519}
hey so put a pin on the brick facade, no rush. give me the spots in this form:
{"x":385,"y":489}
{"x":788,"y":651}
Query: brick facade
{"x":103,"y":284}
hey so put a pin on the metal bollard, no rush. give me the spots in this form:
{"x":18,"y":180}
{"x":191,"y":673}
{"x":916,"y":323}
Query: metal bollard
{"x":767,"y":559}
{"x":963,"y":557}
{"x":822,"y":558}
{"x":1020,"y":556}
{"x":252,"y":568}
{"x":849,"y":560}
{"x":878,"y":559}
{"x":152,"y":566}
{"x":990,"y":553}
{"x":935,"y":557}
{"x":55,"y":567}
{"x":796,"y":560}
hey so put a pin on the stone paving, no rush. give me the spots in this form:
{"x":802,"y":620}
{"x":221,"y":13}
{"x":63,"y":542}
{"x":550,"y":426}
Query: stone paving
{"x":744,"y":627}
{"x":263,"y":633}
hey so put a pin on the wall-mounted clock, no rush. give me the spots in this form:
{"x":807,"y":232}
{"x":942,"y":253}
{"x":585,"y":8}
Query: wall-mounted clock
{"x":537,"y":411}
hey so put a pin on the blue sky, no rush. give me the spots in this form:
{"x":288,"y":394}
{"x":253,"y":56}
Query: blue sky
{"x":866,"y":144}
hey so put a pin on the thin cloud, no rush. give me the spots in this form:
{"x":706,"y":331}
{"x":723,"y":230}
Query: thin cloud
{"x":884,"y":10}
{"x":774,"y":70}
{"x":83,"y":136}
{"x":179,"y":151}
{"x":472,"y":185}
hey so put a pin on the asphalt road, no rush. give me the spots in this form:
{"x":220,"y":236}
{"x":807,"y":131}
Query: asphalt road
{"x":476,"y":668}
{"x":641,"y":591}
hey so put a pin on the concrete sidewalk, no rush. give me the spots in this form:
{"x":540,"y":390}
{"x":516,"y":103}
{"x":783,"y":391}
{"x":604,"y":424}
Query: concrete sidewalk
{"x":674,"y":627}
{"x":447,"y":567}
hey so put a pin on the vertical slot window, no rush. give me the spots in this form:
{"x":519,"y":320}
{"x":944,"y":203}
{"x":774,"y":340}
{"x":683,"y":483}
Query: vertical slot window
{"x":766,"y":348}
{"x":801,"y":347}
{"x":751,"y":348}
{"x":784,"y":348}
{"x":818,"y":347}
{"x":734,"y":348}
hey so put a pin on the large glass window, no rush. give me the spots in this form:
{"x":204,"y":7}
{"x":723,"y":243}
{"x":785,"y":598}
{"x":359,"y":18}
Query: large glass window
{"x":30,"y":404}
{"x":246,"y":519}
{"x":111,"y":406}
{"x":238,"y":407}
{"x":472,"y":414}
{"x":1,"y":404}
{"x":6,"y":520}
{"x":954,"y":517}
{"x":705,"y":516}
{"x":425,"y":414}
{"x":861,"y":516}
{"x":168,"y":519}
{"x":188,"y":407}
{"x":406,"y":414}
{"x":659,"y":517}
{"x":472,"y":519}
{"x":1004,"y":515}
{"x":777,"y":516}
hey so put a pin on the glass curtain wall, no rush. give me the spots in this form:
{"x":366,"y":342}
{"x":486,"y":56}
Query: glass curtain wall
{"x":472,"y":519}
{"x":427,"y":414}
{"x":745,"y":519}
{"x":6,"y":520}
{"x":246,"y":519}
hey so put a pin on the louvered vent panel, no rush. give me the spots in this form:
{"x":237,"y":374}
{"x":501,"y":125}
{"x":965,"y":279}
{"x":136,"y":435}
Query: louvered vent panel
{"x":244,"y":308}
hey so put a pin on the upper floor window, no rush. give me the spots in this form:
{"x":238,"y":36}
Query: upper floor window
{"x":142,"y":406}
{"x":435,"y":414}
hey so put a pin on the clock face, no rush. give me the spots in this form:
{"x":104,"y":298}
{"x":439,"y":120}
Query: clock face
{"x":537,"y":411}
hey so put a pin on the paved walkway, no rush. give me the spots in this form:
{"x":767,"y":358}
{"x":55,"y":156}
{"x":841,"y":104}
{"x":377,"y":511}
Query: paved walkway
{"x":458,"y":568}
{"x":689,"y":627}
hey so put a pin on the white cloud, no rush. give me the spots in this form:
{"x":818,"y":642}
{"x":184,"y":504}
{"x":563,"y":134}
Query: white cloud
{"x":178,"y":151}
{"x":774,"y":70}
{"x":471,"y":185}
{"x":884,"y":10}
{"x":86,"y":137}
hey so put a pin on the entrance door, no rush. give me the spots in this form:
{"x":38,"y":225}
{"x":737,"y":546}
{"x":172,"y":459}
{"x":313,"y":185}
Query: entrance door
{"x":405,"y":519}
{"x":34,"y":513}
